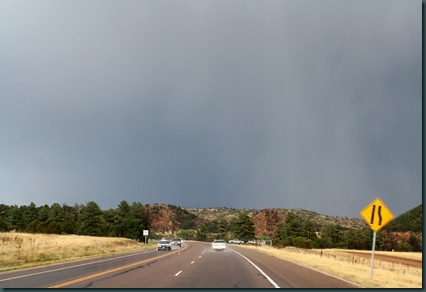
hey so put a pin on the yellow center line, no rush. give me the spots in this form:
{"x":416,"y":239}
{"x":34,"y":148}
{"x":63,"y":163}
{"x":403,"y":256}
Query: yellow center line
{"x":114,"y":270}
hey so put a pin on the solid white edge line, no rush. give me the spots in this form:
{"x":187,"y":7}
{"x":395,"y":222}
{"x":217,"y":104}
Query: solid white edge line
{"x":177,"y":274}
{"x":262,"y":272}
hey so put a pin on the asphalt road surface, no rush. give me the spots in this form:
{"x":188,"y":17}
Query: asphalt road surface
{"x":194,"y":265}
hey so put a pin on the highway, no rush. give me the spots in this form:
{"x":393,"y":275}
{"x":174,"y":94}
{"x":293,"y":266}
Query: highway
{"x":194,"y":265}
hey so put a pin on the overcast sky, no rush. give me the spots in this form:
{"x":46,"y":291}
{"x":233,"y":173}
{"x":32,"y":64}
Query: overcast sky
{"x":240,"y":104}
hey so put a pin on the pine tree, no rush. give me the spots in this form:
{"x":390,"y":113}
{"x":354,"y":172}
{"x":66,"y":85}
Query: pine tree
{"x":223,"y":227}
{"x":91,"y":219}
{"x":245,"y":229}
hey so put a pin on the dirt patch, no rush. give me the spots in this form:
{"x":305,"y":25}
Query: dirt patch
{"x":393,"y":259}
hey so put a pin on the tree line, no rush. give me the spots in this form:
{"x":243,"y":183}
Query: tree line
{"x":305,"y":233}
{"x":89,"y":219}
{"x":129,"y":221}
{"x":299,"y":232}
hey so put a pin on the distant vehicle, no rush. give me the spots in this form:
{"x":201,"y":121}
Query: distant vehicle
{"x":164,"y":244}
{"x":177,"y":241}
{"x":252,"y":242}
{"x":236,"y":241}
{"x":219,"y":244}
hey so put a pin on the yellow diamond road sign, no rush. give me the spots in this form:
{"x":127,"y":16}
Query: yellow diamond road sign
{"x":377,"y":215}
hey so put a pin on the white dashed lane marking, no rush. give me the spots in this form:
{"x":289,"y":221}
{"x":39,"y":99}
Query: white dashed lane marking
{"x":177,"y":274}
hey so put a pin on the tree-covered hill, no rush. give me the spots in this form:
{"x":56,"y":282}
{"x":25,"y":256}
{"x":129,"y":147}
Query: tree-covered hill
{"x":267,"y":219}
{"x":409,"y":221}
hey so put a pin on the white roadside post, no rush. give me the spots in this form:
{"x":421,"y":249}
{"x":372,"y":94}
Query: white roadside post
{"x":145,"y":233}
{"x":384,"y":215}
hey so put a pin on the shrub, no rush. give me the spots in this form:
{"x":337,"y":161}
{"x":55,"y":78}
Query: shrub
{"x":302,"y":242}
{"x":281,"y":243}
{"x":404,"y":247}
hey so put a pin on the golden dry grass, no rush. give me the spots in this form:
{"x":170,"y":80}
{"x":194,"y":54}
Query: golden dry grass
{"x":354,"y":268}
{"x":406,"y":255}
{"x":22,"y":250}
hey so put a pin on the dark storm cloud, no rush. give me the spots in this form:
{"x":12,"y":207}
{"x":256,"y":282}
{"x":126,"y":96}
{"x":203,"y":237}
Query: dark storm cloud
{"x":247,"y":104}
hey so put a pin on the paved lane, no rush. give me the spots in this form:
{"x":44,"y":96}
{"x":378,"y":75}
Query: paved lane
{"x":221,"y":269}
{"x":51,"y":275}
{"x":195,"y":265}
{"x":289,"y":275}
{"x":156,"y":273}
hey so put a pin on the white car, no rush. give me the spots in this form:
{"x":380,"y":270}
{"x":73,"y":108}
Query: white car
{"x":219,"y":244}
{"x":236,"y":241}
{"x":177,"y":241}
{"x":163,"y":245}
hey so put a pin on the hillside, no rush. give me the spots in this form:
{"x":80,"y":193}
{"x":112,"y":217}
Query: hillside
{"x":267,"y":219}
{"x":409,"y":221}
{"x":130,"y":220}
{"x":404,"y":233}
{"x":170,"y":218}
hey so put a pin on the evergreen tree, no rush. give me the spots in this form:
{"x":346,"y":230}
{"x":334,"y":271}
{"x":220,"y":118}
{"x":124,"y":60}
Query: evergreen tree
{"x":29,"y":215}
{"x":280,"y":235}
{"x":55,"y":219}
{"x":123,"y":208}
{"x":332,"y":235}
{"x":14,"y":218}
{"x":294,"y":226}
{"x":136,"y":221}
{"x":68,"y":224}
{"x":3,"y":222}
{"x":415,"y":243}
{"x":186,"y":234}
{"x":43,"y":216}
{"x":362,"y":239}
{"x":223,"y":227}
{"x":122,"y":213}
{"x":91,"y":219}
{"x":295,"y":231}
{"x":111,"y":229}
{"x":201,"y":233}
{"x":245,"y":229}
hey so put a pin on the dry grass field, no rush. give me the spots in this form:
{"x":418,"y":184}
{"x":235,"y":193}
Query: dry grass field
{"x":354,"y":267}
{"x":23,"y":250}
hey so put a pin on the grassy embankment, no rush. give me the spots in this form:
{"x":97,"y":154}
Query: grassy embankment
{"x":24,"y":250}
{"x":355,"y":268}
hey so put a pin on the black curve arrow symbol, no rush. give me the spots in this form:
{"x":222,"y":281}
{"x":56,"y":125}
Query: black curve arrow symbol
{"x":380,"y":215}
{"x":372,"y":214}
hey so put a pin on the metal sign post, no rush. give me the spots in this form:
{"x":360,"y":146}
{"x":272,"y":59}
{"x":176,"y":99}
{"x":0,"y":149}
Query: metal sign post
{"x":377,"y":215}
{"x":372,"y":256}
